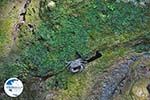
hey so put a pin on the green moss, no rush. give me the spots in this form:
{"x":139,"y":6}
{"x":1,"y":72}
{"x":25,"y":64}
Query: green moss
{"x":32,"y":15}
{"x":5,"y":36}
{"x":3,"y":2}
{"x":144,"y":45}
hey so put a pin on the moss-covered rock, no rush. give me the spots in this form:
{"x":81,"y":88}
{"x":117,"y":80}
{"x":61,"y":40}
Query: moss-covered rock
{"x":139,"y":90}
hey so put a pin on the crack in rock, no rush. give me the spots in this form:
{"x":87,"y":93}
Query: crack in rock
{"x":22,"y":18}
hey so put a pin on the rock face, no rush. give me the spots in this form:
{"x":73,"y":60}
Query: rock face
{"x":117,"y":78}
{"x":120,"y":80}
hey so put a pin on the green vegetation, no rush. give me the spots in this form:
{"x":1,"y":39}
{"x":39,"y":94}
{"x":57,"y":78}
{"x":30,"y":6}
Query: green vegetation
{"x":3,"y":2}
{"x":75,"y":25}
{"x":144,"y":44}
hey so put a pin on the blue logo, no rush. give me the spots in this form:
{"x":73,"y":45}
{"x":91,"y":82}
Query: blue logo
{"x":13,"y":87}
